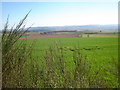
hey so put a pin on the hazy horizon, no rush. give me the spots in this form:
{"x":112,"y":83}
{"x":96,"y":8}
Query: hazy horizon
{"x":61,"y":13}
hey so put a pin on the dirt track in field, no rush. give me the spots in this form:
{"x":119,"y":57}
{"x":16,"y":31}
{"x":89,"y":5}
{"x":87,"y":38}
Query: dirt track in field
{"x":48,"y":36}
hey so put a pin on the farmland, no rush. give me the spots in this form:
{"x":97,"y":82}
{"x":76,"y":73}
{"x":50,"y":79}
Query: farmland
{"x":59,"y":60}
{"x":99,"y":51}
{"x":60,"y":45}
{"x":71,"y":59}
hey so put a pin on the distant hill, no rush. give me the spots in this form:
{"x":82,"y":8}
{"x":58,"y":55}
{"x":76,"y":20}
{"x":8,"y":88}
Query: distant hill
{"x":110,"y":27}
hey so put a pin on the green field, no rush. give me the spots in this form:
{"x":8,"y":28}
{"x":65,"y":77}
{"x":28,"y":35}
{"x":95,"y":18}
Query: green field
{"x":77,"y":61}
{"x":72,"y":62}
{"x":101,"y":54}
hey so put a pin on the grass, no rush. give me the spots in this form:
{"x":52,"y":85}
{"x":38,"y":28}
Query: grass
{"x":14,"y":55}
{"x":58,"y":62}
{"x":100,"y":53}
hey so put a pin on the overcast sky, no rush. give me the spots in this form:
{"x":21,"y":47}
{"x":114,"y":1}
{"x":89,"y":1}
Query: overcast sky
{"x":61,"y":13}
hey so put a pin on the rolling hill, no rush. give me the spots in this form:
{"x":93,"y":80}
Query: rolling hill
{"x":109,"y":27}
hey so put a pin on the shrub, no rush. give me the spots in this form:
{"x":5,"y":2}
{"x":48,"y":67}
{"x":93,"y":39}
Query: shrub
{"x":15,"y":54}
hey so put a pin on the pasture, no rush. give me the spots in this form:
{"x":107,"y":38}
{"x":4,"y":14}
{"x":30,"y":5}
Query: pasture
{"x":100,"y":52}
{"x":64,"y":60}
